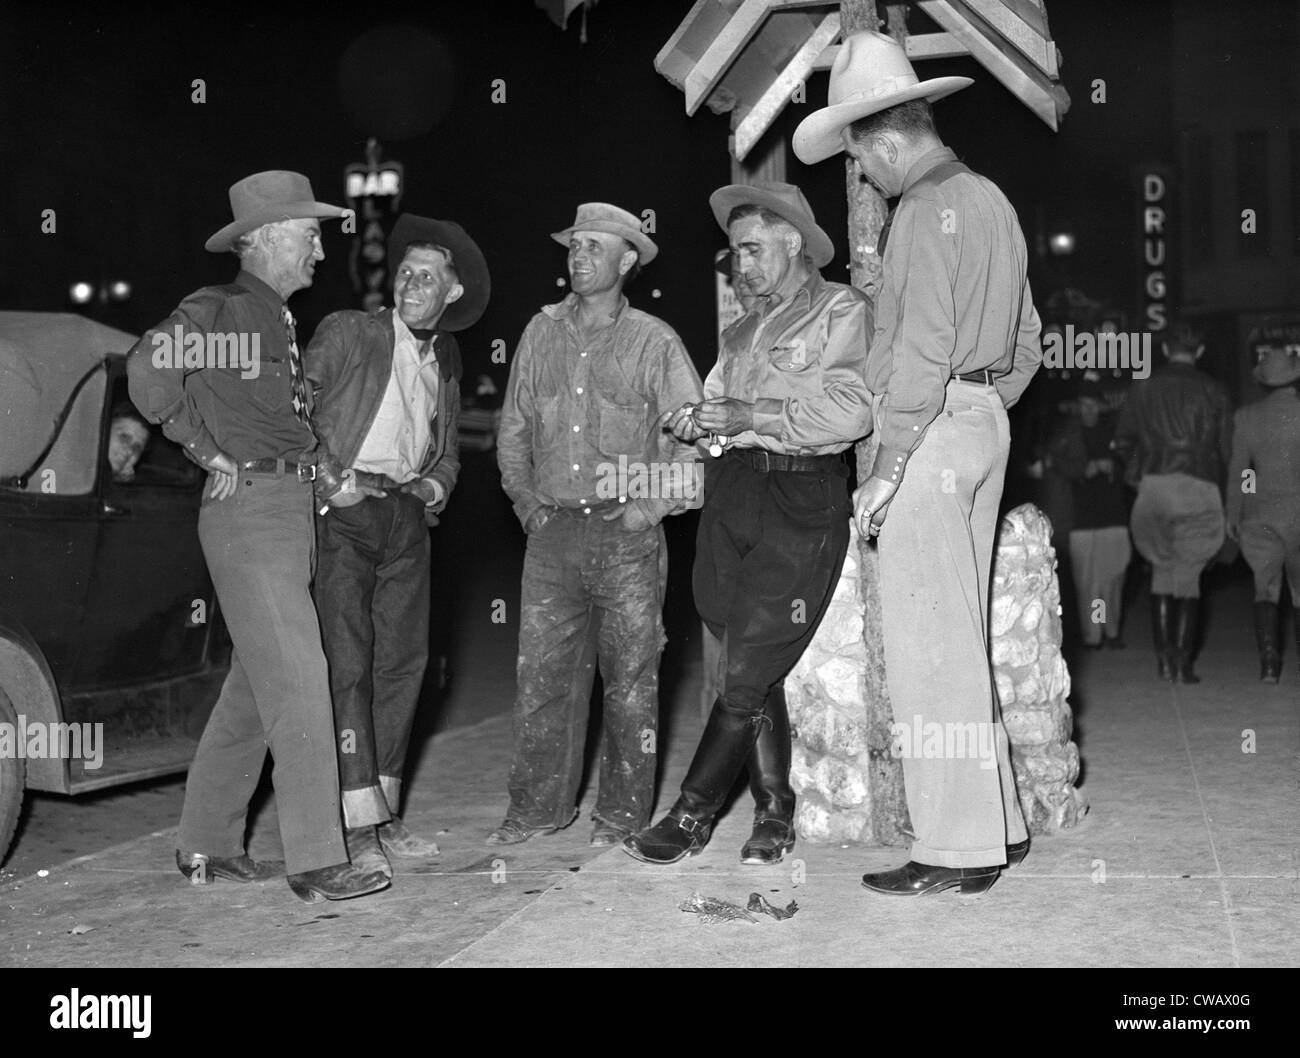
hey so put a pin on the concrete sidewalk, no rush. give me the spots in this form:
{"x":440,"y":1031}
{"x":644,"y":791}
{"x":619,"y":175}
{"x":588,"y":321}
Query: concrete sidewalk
{"x":1190,"y":856}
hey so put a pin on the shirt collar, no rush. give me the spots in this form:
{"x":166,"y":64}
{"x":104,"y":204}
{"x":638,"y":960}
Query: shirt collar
{"x":564,"y":309}
{"x":807,"y":291}
{"x":259,"y":287}
{"x":403,"y":333}
{"x":927,"y":161}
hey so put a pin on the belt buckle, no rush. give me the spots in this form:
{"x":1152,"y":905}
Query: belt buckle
{"x":302,"y":468}
{"x":765,"y":457}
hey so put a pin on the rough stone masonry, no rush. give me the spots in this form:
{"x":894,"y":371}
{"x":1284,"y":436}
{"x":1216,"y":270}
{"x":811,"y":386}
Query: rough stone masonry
{"x":826,"y":694}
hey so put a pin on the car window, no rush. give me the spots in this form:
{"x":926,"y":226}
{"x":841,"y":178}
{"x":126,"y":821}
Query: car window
{"x":136,"y":453}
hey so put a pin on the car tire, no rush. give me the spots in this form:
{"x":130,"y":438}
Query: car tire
{"x":13,"y":781}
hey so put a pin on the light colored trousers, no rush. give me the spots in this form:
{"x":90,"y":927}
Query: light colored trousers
{"x":1177,"y":524}
{"x":1099,"y":559}
{"x":936,"y":553}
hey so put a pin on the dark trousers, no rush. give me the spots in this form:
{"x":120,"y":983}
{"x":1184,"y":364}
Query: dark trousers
{"x":591,"y":591}
{"x":768,"y":556}
{"x":372,"y":594}
{"x":258,"y":545}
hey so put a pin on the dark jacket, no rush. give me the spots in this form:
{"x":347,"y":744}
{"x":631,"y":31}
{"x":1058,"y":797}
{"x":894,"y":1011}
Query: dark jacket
{"x":348,"y":364}
{"x":1178,"y":421}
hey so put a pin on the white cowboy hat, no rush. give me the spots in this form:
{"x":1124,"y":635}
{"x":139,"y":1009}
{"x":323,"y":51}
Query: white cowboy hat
{"x":870,"y":74}
{"x":601,"y":216}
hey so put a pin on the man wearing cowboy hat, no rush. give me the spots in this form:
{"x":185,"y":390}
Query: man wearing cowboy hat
{"x":592,"y":474}
{"x":253,"y":432}
{"x":789,"y":394}
{"x":1264,"y":506}
{"x":387,"y":395}
{"x":1175,"y":433}
{"x":956,"y":343}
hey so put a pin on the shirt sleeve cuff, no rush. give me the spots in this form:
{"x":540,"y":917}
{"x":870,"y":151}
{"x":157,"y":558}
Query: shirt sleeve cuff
{"x":889,"y":463}
{"x":202,"y":448}
{"x":768,"y":412}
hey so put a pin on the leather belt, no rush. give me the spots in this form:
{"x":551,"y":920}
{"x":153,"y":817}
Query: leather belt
{"x":764,"y":461}
{"x":376,"y":481}
{"x":278,"y":468}
{"x":979,"y":378}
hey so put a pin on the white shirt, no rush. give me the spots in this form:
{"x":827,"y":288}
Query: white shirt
{"x":399,"y":437}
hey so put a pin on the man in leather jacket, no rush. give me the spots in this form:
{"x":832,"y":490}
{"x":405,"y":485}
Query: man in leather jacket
{"x":387,"y":398}
{"x":1176,"y":433}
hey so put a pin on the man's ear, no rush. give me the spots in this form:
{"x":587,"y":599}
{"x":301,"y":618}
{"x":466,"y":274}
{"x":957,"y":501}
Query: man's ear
{"x":793,"y":243}
{"x":626,"y":262}
{"x":454,"y":294}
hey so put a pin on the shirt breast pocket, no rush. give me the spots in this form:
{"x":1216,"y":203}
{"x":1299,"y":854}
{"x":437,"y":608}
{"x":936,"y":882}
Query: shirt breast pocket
{"x":272,"y":389}
{"x":797,"y":364}
{"x":546,"y":420}
{"x":622,"y":429}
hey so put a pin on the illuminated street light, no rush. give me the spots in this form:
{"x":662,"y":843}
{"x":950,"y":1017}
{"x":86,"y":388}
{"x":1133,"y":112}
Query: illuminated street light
{"x":81,"y":293}
{"x":119,"y":290}
{"x":1061,"y":243}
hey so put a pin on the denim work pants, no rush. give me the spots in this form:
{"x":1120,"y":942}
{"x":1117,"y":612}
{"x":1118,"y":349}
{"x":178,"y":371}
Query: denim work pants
{"x":372,"y":594}
{"x":936,"y":555}
{"x":592,"y":591}
{"x":768,"y":555}
{"x":259,"y":545}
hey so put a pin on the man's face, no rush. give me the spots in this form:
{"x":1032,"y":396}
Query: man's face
{"x":1089,"y":411}
{"x":762,"y":254}
{"x":295,"y":249}
{"x":740,"y":285}
{"x":597,"y":260}
{"x":872,"y":164}
{"x":126,"y":441}
{"x":424,"y":286}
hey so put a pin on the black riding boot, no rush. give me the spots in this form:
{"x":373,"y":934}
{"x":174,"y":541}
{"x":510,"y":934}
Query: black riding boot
{"x":1162,"y":607}
{"x":1184,"y":640}
{"x":722,"y":752}
{"x":1266,"y":638}
{"x":769,"y":782}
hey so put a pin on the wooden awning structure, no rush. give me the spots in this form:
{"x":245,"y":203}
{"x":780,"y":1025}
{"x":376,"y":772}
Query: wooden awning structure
{"x":750,"y":56}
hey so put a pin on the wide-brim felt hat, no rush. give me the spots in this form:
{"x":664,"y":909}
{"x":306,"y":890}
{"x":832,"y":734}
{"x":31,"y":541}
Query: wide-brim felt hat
{"x":787,"y":202}
{"x":871,"y":73}
{"x":467,"y":259}
{"x":265,"y":198}
{"x":601,"y":216}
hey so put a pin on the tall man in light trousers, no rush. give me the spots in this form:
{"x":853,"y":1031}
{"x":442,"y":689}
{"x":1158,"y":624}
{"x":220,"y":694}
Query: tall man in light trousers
{"x":956,"y":342}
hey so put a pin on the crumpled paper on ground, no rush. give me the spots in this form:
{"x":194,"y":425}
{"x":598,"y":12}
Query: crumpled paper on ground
{"x":712,"y":910}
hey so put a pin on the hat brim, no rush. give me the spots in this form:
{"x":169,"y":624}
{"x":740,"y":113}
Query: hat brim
{"x":220,"y":242}
{"x":646,"y":250}
{"x":817,"y":244}
{"x":818,"y":135}
{"x":471,"y":266}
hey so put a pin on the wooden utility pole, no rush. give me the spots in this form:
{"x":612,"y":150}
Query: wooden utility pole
{"x":890,"y":824}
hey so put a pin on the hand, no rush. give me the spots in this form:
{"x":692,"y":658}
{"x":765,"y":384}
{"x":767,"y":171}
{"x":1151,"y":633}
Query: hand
{"x":725,"y":415}
{"x":633,"y":514}
{"x":351,"y":493}
{"x":223,"y":477}
{"x":871,"y":503}
{"x":426,"y":490}
{"x":538,"y":519}
{"x":682,"y":424}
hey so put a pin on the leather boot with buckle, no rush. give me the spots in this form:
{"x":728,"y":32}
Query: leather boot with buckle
{"x":726,"y":744}
{"x":1161,"y":624}
{"x":1266,"y":639}
{"x":769,"y":782}
{"x":1184,"y":640}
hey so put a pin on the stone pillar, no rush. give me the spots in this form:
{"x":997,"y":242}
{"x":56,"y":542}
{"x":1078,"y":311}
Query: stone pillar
{"x":828,"y":695}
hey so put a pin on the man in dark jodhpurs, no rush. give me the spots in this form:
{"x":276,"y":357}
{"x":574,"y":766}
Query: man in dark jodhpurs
{"x":788,"y":393}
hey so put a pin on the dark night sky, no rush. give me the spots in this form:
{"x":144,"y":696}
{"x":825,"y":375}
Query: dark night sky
{"x":96,"y":122}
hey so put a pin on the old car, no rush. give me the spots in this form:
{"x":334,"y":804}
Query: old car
{"x":112,"y":652}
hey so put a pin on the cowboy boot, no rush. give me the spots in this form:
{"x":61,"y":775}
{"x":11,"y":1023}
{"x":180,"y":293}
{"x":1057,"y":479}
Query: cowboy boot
{"x":769,"y":782}
{"x":1161,"y":624}
{"x":1184,"y":640}
{"x":1266,"y":639}
{"x":726,"y":744}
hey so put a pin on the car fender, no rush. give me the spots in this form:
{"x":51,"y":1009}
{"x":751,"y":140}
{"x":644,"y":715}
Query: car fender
{"x":26,"y":679}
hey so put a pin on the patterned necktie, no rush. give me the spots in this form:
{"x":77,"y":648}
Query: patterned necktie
{"x":295,"y":370}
